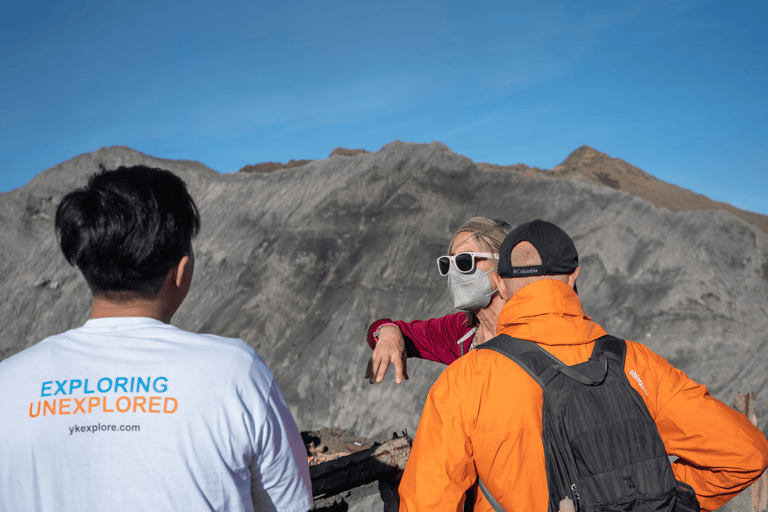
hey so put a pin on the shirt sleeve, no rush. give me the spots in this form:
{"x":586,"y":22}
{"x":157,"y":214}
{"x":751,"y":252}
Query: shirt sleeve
{"x":720,"y":452}
{"x":440,"y":466}
{"x":280,"y":472}
{"x":435,"y":339}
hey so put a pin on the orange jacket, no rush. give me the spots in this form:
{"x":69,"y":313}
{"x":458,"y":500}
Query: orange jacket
{"x":483,"y":417}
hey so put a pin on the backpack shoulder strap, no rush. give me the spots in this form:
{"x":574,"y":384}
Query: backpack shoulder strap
{"x":495,"y":505}
{"x":540,"y":364}
{"x":527,"y":354}
{"x":612,"y":346}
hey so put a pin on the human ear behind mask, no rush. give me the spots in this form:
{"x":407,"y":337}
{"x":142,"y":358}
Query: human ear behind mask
{"x":471,"y":291}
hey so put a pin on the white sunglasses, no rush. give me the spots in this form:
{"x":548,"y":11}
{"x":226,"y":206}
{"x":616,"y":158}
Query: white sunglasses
{"x":464,"y":261}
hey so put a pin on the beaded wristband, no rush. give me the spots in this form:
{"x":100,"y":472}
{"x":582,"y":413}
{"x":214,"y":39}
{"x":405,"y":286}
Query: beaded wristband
{"x":376,"y":334}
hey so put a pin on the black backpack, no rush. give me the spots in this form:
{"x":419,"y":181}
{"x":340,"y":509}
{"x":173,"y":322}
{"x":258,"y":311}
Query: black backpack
{"x":601,"y":446}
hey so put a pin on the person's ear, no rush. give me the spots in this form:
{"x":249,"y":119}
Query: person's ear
{"x":182,"y":270}
{"x":503,"y":289}
{"x":572,"y":277}
{"x":496,"y":281}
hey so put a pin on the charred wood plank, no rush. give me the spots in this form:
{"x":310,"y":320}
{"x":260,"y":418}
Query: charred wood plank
{"x":383,"y":462}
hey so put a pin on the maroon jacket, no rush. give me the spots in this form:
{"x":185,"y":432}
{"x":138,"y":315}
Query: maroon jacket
{"x":435,"y":339}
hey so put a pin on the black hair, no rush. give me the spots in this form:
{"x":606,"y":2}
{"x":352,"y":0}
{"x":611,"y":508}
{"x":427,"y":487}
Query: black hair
{"x":126,"y":228}
{"x":504,"y":225}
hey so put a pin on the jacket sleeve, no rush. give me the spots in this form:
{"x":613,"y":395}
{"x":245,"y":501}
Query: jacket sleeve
{"x":440,"y":466}
{"x":720,"y":452}
{"x":434,"y":339}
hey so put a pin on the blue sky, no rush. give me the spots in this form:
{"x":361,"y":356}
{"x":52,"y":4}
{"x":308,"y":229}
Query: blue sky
{"x":677,"y":88}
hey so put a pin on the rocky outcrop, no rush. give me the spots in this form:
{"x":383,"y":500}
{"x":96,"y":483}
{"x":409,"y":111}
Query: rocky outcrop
{"x":347,"y":152}
{"x":268,"y":167}
{"x":588,"y":165}
{"x":298,"y":263}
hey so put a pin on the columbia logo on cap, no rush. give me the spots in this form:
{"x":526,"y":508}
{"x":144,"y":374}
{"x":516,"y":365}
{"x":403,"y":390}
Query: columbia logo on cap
{"x":522,"y":270}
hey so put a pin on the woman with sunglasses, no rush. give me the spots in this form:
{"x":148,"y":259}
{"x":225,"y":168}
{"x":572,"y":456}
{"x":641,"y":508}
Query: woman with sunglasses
{"x":470,"y":267}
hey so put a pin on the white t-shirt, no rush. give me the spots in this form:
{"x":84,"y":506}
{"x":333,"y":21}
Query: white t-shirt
{"x":131,"y":414}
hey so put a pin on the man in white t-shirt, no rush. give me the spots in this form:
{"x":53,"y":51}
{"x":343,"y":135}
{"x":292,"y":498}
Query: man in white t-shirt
{"x":128,"y":413}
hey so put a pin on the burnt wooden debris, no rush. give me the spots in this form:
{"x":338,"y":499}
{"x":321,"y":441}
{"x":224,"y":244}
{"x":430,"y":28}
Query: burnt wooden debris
{"x":375,"y":470}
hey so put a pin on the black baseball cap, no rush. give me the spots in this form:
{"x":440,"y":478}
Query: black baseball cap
{"x":558,"y":254}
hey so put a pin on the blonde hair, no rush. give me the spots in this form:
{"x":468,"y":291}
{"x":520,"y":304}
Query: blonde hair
{"x":486,"y":233}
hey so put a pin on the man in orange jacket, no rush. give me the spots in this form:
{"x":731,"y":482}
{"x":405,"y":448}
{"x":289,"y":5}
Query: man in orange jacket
{"x":482,"y":417}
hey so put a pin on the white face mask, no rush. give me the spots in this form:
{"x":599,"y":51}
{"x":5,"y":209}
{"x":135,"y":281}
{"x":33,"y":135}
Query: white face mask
{"x":470,"y":291}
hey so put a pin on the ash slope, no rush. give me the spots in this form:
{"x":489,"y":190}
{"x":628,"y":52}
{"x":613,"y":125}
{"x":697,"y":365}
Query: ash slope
{"x":298,"y":262}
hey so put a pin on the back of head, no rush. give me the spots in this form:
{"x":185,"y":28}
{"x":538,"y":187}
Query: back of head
{"x":488,"y":234}
{"x":126,"y":228}
{"x":551,"y":251}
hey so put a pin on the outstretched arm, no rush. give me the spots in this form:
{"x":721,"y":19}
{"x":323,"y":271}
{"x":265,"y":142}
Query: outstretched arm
{"x":435,"y":339}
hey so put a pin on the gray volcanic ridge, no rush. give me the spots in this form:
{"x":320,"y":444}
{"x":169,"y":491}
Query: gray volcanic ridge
{"x":298,"y":259}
